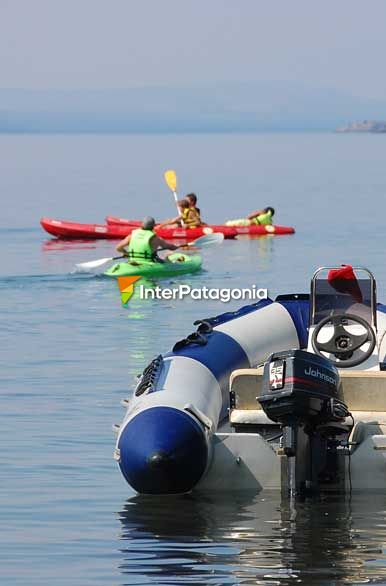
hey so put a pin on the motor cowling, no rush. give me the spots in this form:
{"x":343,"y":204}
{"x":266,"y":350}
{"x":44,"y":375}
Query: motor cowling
{"x":301,"y":387}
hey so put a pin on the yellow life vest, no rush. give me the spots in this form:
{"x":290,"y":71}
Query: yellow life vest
{"x":196,"y":215}
{"x":191,"y":216}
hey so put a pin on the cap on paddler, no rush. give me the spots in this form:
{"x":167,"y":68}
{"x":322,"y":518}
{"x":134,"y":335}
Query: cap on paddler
{"x":148,"y":223}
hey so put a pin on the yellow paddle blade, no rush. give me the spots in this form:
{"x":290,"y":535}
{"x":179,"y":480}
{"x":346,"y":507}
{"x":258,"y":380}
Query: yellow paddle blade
{"x":171,"y":179}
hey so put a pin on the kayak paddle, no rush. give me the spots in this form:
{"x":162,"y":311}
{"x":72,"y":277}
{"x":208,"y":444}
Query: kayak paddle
{"x":202,"y":242}
{"x":93,"y":264}
{"x":171,"y":182}
{"x":207,"y":240}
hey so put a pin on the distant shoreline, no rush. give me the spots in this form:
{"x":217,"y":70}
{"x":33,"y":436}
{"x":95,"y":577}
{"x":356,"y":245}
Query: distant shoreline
{"x":375,"y":126}
{"x":156,"y":132}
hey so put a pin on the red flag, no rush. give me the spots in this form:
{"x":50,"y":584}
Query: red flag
{"x":344,"y":281}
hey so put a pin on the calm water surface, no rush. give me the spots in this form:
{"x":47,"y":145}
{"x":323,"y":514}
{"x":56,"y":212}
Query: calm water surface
{"x":70,"y":352}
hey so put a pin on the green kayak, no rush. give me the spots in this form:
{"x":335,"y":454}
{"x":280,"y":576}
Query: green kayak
{"x":176,"y":264}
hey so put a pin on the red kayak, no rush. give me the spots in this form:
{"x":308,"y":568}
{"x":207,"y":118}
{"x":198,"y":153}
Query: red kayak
{"x":206,"y":229}
{"x":262,"y":230}
{"x":73,"y":230}
{"x":247,"y":230}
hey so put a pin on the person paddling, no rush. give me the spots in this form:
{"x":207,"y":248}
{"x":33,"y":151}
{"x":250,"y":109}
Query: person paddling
{"x":259,"y":217}
{"x":195,"y":214}
{"x":187,"y":217}
{"x":143,"y":243}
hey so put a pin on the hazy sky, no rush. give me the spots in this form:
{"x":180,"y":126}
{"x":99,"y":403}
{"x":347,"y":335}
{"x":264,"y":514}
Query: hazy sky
{"x":118,"y":43}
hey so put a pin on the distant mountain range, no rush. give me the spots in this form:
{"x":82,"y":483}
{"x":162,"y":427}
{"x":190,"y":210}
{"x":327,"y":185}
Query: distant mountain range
{"x":226,"y":107}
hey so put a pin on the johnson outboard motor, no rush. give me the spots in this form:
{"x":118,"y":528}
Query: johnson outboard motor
{"x":302,"y":392}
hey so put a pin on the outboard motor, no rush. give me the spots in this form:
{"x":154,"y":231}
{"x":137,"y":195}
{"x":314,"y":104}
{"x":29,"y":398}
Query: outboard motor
{"x":301,"y":391}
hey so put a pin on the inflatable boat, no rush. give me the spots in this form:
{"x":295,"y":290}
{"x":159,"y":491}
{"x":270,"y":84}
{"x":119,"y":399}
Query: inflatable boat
{"x":245,"y":230}
{"x":75,"y":230}
{"x":286,"y":394}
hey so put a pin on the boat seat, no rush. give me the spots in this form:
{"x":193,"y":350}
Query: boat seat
{"x":250,"y":417}
{"x":364,"y":390}
{"x":364,"y":393}
{"x":244,"y":386}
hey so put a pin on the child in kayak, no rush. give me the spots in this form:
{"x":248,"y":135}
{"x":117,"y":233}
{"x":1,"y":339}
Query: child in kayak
{"x":143,"y":243}
{"x":188,"y":217}
{"x":194,"y":210}
{"x":260,"y":217}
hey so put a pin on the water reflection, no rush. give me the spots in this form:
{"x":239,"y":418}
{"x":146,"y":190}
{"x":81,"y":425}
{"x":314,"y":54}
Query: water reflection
{"x":56,"y":244}
{"x":253,"y":539}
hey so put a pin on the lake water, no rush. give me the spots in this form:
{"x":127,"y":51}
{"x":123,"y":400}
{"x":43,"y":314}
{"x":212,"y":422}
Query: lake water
{"x":70,"y":352}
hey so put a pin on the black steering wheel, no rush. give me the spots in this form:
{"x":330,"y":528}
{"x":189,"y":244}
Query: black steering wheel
{"x":342,"y":344}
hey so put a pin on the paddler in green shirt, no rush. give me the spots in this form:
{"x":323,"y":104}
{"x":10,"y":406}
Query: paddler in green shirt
{"x":259,"y":217}
{"x":143,"y":243}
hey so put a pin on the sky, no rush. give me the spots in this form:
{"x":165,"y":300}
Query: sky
{"x":83,"y":44}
